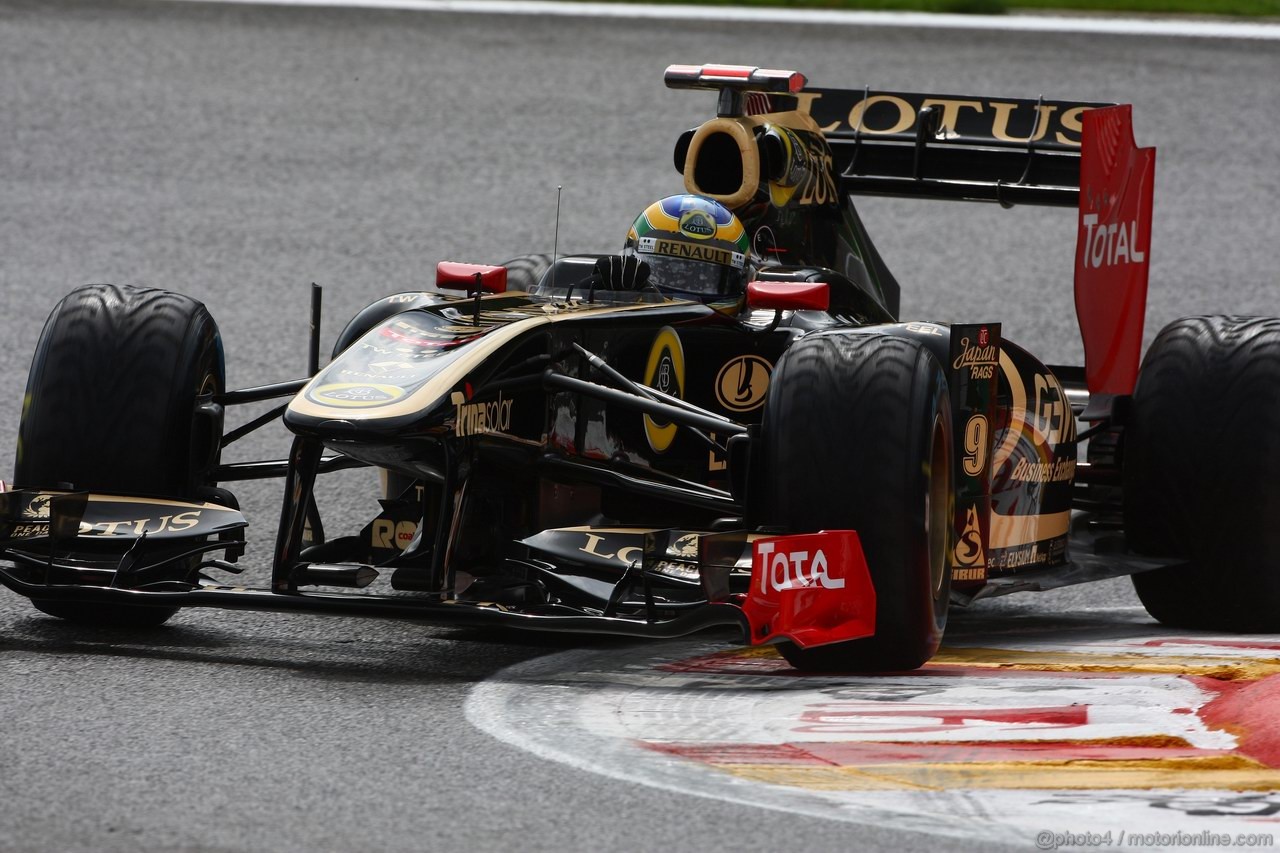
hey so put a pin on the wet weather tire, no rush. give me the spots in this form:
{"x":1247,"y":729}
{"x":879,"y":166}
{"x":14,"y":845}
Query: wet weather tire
{"x":857,"y":435}
{"x":526,"y":272}
{"x":111,"y":406}
{"x":1202,"y":473}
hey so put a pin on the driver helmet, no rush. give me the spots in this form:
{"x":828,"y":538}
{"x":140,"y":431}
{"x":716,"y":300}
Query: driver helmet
{"x":694,"y":246}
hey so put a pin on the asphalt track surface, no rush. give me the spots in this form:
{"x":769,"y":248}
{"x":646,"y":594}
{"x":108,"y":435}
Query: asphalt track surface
{"x":239,"y":153}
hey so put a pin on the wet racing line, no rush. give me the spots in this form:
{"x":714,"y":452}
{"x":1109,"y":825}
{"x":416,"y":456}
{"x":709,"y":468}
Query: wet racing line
{"x":1045,"y":731}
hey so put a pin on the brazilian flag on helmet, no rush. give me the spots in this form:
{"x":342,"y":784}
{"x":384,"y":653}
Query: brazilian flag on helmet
{"x":694,"y":246}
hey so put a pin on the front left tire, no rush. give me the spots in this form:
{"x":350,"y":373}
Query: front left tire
{"x":857,"y":435}
{"x":113,"y":405}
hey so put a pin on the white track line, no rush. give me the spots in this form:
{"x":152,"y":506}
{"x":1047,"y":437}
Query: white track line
{"x":599,"y":711}
{"x":1106,"y":25}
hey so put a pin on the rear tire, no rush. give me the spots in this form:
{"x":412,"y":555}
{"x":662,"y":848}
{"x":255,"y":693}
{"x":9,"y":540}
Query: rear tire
{"x":857,"y":435}
{"x":111,"y":406}
{"x":1207,"y":405}
{"x":525,"y":272}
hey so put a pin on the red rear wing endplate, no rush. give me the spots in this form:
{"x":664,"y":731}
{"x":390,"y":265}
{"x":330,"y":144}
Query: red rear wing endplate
{"x":1117,"y":182}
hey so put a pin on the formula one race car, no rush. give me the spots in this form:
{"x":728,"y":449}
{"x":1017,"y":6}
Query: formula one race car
{"x":725,"y":424}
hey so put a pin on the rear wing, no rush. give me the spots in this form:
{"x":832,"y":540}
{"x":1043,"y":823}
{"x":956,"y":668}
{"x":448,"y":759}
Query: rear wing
{"x":1078,"y":154}
{"x":909,"y":144}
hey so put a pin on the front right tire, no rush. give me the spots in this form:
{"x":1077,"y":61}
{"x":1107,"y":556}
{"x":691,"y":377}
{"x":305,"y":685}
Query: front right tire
{"x":857,"y":436}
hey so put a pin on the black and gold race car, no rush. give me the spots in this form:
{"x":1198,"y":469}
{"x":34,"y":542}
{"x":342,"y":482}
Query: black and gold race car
{"x":727,"y":423}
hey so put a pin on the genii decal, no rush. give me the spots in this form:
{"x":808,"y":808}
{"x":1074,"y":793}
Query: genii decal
{"x":664,"y":372}
{"x":1033,"y":468}
{"x":1045,"y":413}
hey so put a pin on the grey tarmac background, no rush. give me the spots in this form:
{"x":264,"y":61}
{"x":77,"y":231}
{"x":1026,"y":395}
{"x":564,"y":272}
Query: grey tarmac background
{"x":239,"y":153}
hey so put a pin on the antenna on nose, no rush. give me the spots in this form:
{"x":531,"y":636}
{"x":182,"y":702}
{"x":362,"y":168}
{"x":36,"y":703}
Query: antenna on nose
{"x":555,"y":243}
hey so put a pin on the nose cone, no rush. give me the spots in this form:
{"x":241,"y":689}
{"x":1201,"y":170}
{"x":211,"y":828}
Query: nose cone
{"x":397,"y":372}
{"x":405,"y":373}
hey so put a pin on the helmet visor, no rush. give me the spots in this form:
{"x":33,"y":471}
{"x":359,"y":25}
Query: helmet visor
{"x":697,"y":278}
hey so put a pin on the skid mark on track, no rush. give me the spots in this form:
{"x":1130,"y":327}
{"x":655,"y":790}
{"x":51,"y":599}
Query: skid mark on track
{"x":1157,"y":732}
